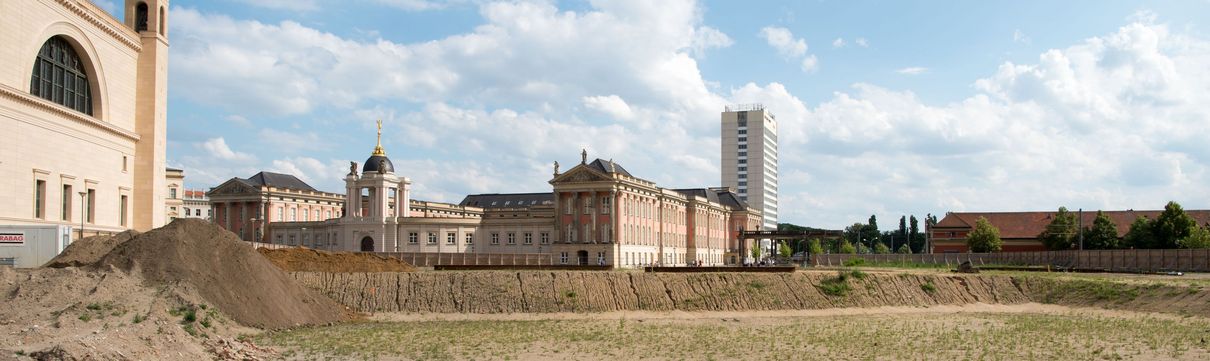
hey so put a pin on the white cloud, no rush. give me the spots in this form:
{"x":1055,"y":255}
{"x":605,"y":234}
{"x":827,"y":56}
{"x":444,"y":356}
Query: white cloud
{"x":417,"y":5}
{"x":862,"y":42}
{"x":838,"y":43}
{"x":784,"y":41}
{"x":610,"y":105}
{"x":1115,"y":121}
{"x":217,"y":147}
{"x":790,"y":47}
{"x":912,"y":70}
{"x":292,"y":5}
{"x":279,"y":67}
{"x":1020,"y":37}
{"x":810,"y":64}
{"x":238,"y":120}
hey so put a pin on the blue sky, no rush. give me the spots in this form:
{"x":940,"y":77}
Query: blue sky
{"x":892,"y":108}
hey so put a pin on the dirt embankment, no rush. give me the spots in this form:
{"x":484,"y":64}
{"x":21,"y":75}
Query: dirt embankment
{"x":182,"y":291}
{"x":312,"y":260}
{"x":532,"y":291}
{"x":570,"y":291}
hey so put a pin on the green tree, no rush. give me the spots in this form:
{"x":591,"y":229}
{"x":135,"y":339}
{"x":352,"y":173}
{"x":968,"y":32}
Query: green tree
{"x":854,"y":233}
{"x":1198,"y":238}
{"x":1172,"y":226}
{"x":861,"y":248}
{"x":904,"y":249}
{"x":881,"y":248}
{"x":845,"y":247}
{"x":784,"y":249}
{"x":1139,"y":236}
{"x":814,"y":247}
{"x":915,"y":238}
{"x":871,"y":233}
{"x":902,"y":236}
{"x":985,"y":237}
{"x":1103,"y":234}
{"x":755,"y":252}
{"x":1060,"y":234}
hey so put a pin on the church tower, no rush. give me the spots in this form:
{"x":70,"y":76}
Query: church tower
{"x":149,"y":18}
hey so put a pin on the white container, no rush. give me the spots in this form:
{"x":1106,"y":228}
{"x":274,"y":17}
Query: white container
{"x":28,"y":246}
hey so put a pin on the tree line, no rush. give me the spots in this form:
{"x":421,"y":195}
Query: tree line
{"x":865,"y":238}
{"x":1173,"y":228}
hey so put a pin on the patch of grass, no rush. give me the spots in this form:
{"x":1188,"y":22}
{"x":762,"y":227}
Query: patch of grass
{"x":928,"y":287}
{"x":190,"y":316}
{"x":138,"y":318}
{"x":963,"y":336}
{"x":854,"y":262}
{"x":85,"y":317}
{"x":858,"y":274}
{"x":190,"y":330}
{"x":757,"y":285}
{"x":836,"y":286}
{"x":569,"y":294}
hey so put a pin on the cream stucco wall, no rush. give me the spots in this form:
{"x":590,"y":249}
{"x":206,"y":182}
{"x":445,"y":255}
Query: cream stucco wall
{"x":47,"y":141}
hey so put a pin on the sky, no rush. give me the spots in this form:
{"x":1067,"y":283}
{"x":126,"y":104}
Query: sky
{"x":886,"y":108}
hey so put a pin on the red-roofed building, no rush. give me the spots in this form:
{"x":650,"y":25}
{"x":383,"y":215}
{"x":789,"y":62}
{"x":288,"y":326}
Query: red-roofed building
{"x":1020,"y":230}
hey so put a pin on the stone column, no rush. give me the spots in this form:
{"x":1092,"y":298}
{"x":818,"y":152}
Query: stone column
{"x":575,"y":215}
{"x":595,"y":205}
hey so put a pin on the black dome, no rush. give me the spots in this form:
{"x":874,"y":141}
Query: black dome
{"x":371,"y":165}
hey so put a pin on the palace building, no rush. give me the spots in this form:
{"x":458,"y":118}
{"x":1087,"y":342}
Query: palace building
{"x":597,"y":213}
{"x":83,"y":101}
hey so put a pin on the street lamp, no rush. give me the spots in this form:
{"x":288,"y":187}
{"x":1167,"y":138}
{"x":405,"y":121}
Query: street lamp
{"x":254,"y":222}
{"x":83,"y":208}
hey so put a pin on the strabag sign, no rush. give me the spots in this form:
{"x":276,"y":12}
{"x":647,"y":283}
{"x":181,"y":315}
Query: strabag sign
{"x":12,"y":239}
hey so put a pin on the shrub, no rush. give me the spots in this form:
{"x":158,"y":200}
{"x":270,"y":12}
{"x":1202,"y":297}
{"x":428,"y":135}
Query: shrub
{"x":854,"y":262}
{"x":929,"y":287}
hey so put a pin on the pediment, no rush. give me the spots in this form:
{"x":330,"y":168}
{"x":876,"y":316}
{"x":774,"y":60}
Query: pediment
{"x":231,"y":187}
{"x":581,"y":174}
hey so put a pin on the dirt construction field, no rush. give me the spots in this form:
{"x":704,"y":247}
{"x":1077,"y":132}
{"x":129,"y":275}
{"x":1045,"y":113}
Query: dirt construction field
{"x":973,"y":332}
{"x":192,"y":291}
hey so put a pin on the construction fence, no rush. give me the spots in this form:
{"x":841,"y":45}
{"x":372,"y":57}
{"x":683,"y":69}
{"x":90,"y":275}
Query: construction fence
{"x":1118,"y":260}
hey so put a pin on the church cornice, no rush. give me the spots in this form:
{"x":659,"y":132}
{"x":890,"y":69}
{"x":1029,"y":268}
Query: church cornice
{"x":48,"y":106}
{"x":108,"y":24}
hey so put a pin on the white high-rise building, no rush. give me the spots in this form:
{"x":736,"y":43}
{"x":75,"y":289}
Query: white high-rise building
{"x":749,"y":156}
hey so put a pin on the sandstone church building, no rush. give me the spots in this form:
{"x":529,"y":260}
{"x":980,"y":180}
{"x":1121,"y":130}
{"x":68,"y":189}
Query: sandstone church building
{"x":596,"y":214}
{"x":83,"y":102}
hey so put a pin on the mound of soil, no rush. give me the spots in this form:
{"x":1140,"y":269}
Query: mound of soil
{"x":310,"y":260}
{"x":225,"y":271}
{"x":89,"y":250}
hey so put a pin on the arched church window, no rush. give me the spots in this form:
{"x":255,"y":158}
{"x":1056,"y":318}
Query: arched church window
{"x":161,"y":20}
{"x":59,"y":76}
{"x":140,"y":17}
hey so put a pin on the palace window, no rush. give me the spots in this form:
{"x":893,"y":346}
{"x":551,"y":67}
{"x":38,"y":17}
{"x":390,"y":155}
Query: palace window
{"x":413,"y":238}
{"x":495,"y":238}
{"x":529,"y":238}
{"x":562,"y":257}
{"x":605,"y":205}
{"x":470,"y":239}
{"x":588,"y":205}
{"x":451,"y":238}
{"x":432,"y":238}
{"x":59,"y":76}
{"x":91,"y":206}
{"x":545,"y":237}
{"x":122,"y":211}
{"x":571,"y":235}
{"x":512,"y":238}
{"x":66,"y":207}
{"x":39,"y":199}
